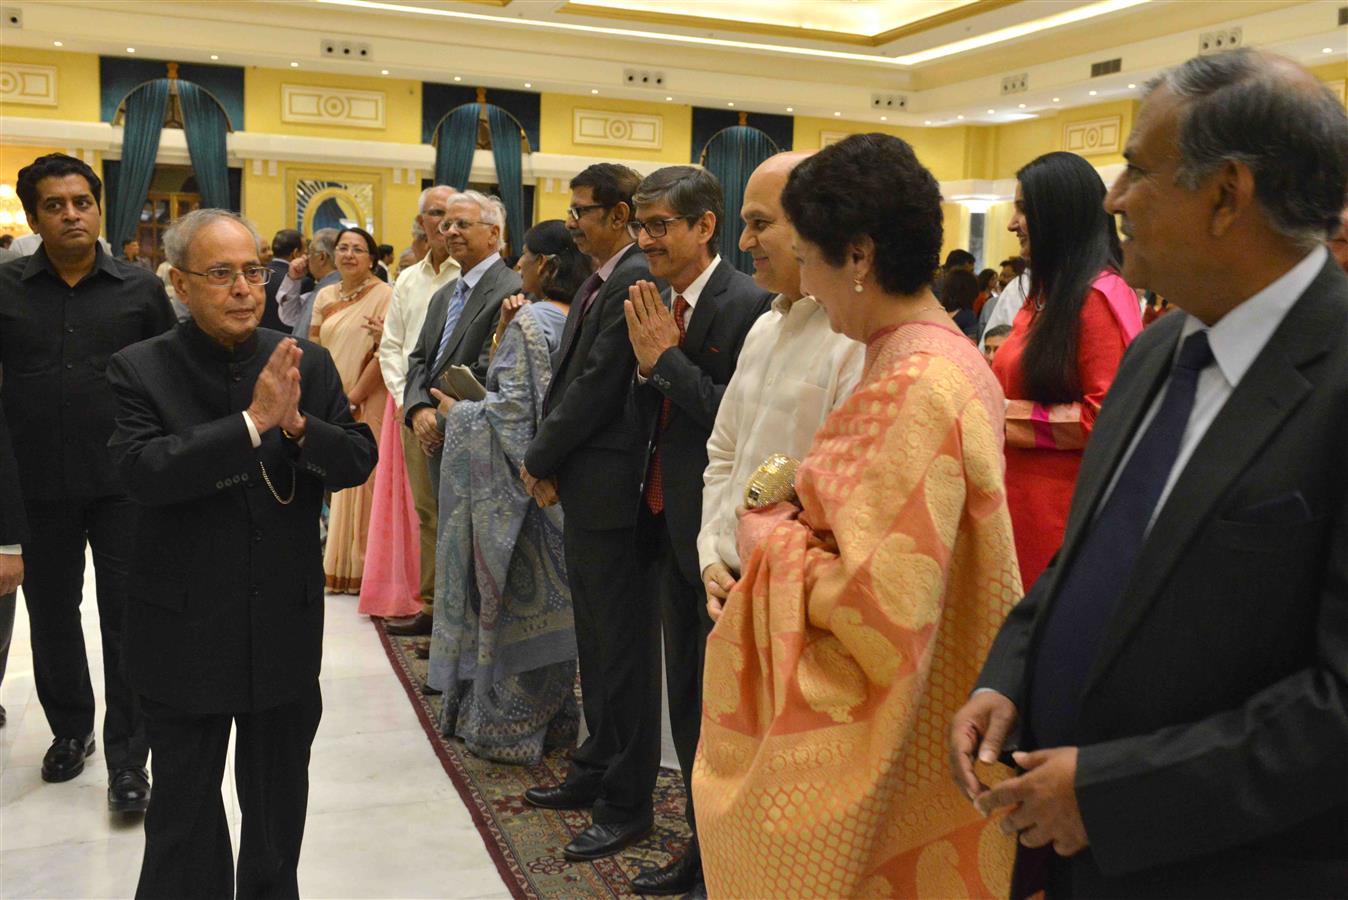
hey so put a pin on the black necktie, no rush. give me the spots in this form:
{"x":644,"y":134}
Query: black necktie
{"x":1103,"y":565}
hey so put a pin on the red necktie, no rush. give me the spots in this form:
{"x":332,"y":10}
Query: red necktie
{"x":655,"y":491}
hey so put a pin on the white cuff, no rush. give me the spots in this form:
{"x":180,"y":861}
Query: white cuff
{"x":252,"y":430}
{"x":11,"y":550}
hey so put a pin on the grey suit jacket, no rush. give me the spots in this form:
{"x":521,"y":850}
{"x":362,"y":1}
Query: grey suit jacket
{"x":470,"y":343}
{"x":1213,"y":731}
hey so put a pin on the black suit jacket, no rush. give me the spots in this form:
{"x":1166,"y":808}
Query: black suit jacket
{"x":225,"y":613}
{"x":13,"y":520}
{"x":469,"y":345}
{"x":590,"y":439}
{"x":271,"y":312}
{"x":1213,"y":730}
{"x":694,"y":378}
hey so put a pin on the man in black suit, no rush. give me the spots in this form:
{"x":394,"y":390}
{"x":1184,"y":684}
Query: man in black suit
{"x":227,"y":436}
{"x":590,"y":451}
{"x":1180,"y":671}
{"x":287,"y":245}
{"x":64,"y":311}
{"x":13,"y":532}
{"x":686,"y":346}
{"x":461,"y":317}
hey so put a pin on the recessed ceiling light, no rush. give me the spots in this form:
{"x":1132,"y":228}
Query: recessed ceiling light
{"x":837,"y":114}
{"x":730,"y":103}
{"x":669,"y":99}
{"x":1020,"y":105}
{"x":959,"y":117}
{"x":884,"y":118}
{"x":1057,"y":100}
{"x":215,"y":56}
{"x":528,"y":84}
{"x":790,"y":109}
{"x":1093,"y":93}
{"x":1327,"y":50}
{"x":594,"y":90}
{"x":992,"y":112}
{"x":385,"y":72}
{"x":458,"y":78}
{"x":130,"y":49}
{"x":1131,"y":85}
{"x":928,"y":122}
{"x":57,"y":44}
{"x":294,"y":65}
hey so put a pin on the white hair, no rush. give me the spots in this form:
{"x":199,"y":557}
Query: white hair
{"x":421,"y":201}
{"x":493,"y":210}
{"x":179,"y":236}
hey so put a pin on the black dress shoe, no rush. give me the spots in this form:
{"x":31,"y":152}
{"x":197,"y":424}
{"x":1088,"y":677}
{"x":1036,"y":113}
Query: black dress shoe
{"x":2,"y":717}
{"x":562,"y":796}
{"x":679,"y":877}
{"x":65,"y":758}
{"x":417,"y":626}
{"x":129,"y":790}
{"x":602,"y":840}
{"x":430,"y":691}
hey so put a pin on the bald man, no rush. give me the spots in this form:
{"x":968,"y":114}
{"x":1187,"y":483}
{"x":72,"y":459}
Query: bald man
{"x":792,"y":372}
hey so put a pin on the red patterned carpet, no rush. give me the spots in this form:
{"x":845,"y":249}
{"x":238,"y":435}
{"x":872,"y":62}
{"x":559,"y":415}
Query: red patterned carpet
{"x":526,"y":843}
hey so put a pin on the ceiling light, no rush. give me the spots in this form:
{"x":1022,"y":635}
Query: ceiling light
{"x":790,"y":109}
{"x":1327,"y":50}
{"x":730,"y":103}
{"x":884,"y":118}
{"x":1093,"y":93}
{"x":294,"y":65}
{"x":57,"y":44}
{"x":385,"y":72}
{"x":215,"y":56}
{"x":594,"y":90}
{"x":670,"y":99}
{"x":992,"y":112}
{"x":961,"y":118}
{"x":458,"y":78}
{"x":928,"y":122}
{"x":1057,"y":100}
{"x":1020,"y":105}
{"x":130,"y":49}
{"x":1131,"y":85}
{"x":528,"y":84}
{"x":1067,"y":17}
{"x":837,"y":114}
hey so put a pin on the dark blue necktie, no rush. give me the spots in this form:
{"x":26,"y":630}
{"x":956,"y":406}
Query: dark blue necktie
{"x":1103,"y":565}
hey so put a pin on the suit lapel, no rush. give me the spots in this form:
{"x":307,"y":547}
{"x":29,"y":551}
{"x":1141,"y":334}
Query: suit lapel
{"x":1268,"y":393}
{"x":708,"y":305}
{"x":473,"y":305}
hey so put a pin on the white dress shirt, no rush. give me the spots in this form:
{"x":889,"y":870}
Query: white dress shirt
{"x":792,"y":372}
{"x":405,"y":316}
{"x":1236,"y":341}
{"x":1009,"y":302}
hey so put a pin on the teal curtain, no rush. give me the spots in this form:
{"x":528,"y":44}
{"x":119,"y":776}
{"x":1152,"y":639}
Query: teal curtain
{"x":455,"y":142}
{"x":505,"y":150}
{"x":205,"y":125}
{"x":140,"y":145}
{"x":732,"y":155}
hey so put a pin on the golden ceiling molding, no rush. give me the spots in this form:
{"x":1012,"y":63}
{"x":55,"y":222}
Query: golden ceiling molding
{"x":978,"y":7}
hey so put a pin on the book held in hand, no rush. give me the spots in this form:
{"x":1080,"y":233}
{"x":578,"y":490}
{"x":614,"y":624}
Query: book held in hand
{"x":459,"y":383}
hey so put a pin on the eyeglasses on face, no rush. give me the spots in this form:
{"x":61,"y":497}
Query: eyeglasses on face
{"x":353,"y":249}
{"x":220,"y":276}
{"x":457,"y":225}
{"x":656,"y":228}
{"x":575,"y":212}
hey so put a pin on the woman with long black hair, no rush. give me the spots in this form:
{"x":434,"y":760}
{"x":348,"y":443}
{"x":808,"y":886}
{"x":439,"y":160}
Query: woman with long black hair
{"x":1065,"y":345}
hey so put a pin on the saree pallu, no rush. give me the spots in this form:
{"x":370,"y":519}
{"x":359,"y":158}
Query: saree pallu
{"x":503,"y":641}
{"x":392,"y":576}
{"x":339,"y":326}
{"x":856,"y":632}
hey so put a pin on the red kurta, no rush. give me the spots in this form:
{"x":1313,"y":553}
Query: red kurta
{"x":1044,"y":443}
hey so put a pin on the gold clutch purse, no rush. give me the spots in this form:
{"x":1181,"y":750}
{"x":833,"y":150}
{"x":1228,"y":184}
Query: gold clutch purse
{"x":773,"y":481}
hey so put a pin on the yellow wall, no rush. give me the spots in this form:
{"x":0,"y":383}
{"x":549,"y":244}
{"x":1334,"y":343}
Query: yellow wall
{"x":77,"y":84}
{"x":998,"y":243}
{"x":942,"y":150}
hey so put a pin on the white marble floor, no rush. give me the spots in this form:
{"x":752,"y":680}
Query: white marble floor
{"x":384,"y":819}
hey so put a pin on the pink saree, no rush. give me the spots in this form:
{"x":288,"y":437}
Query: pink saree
{"x":389,"y":586}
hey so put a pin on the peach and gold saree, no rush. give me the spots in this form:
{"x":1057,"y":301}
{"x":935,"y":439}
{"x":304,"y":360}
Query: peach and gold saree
{"x":855,"y":633}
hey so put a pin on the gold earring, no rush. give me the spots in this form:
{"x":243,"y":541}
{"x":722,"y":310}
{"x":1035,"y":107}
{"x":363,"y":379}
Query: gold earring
{"x":857,"y":286}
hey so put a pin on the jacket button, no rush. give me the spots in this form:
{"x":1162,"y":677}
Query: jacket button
{"x":70,"y":365}
{"x":219,"y":485}
{"x":257,"y":536}
{"x":254,"y":591}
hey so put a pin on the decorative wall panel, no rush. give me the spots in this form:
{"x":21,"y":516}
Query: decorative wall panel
{"x":827,"y":138}
{"x":34,"y":85}
{"x":1093,"y":137}
{"x":617,"y":129}
{"x":313,"y":105}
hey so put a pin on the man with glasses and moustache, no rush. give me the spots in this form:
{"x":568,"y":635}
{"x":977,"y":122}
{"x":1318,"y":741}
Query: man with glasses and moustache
{"x":63,"y":311}
{"x":406,"y":315}
{"x":590,"y":450}
{"x":227,"y":437}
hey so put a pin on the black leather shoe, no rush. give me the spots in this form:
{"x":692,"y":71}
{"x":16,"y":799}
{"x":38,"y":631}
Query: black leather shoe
{"x":430,"y":691}
{"x":679,"y":877}
{"x":599,"y":841}
{"x":417,"y":626}
{"x":129,"y":790}
{"x":2,"y":717}
{"x":65,"y":758}
{"x":561,"y":796}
